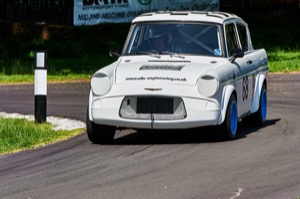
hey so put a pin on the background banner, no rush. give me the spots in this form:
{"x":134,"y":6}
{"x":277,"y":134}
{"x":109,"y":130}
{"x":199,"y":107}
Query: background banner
{"x":92,"y":12}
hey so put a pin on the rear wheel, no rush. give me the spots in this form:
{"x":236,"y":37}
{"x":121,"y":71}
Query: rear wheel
{"x":231,"y":121}
{"x":99,"y":134}
{"x":259,"y":118}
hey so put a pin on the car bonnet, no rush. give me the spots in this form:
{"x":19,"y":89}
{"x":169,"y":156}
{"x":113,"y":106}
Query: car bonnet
{"x":160,"y":71}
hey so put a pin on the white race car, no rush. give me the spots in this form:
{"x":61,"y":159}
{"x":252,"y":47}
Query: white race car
{"x":180,"y":70}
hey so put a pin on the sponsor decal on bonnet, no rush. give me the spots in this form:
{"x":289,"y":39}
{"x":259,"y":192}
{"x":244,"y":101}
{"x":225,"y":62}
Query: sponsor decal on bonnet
{"x":162,"y":67}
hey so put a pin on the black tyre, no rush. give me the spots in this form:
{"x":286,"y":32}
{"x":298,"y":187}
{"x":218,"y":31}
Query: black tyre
{"x":99,"y":134}
{"x":259,"y":118}
{"x":230,"y":124}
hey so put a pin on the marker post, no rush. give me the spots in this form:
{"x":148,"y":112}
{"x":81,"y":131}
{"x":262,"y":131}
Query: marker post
{"x":40,"y":87}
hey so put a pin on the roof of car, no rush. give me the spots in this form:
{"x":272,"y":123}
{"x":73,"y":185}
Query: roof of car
{"x":194,"y":16}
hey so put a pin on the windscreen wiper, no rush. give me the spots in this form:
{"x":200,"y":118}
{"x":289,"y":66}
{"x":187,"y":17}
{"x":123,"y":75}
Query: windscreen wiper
{"x":148,"y":53}
{"x":171,"y":54}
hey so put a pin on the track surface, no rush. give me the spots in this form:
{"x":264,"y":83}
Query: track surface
{"x":261,"y":163}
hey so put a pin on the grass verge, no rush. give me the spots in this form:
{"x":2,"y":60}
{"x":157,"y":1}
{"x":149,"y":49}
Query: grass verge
{"x":284,"y":61}
{"x":17,"y":79}
{"x":75,"y":54}
{"x":281,"y":44}
{"x":21,"y":134}
{"x":279,"y":61}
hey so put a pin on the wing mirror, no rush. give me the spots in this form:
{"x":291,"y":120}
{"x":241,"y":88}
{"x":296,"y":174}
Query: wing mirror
{"x":238,"y":53}
{"x":115,"y":52}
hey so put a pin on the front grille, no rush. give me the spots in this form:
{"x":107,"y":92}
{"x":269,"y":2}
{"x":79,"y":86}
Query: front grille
{"x":145,"y":107}
{"x":153,"y":105}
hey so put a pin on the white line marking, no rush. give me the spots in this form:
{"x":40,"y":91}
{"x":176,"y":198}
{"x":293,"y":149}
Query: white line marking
{"x":238,"y":193}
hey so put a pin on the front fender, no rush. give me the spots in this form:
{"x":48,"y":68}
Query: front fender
{"x":227,"y":92}
{"x":89,"y":109}
{"x":260,"y":79}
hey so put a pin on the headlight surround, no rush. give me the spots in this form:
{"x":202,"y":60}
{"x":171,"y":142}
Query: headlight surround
{"x":208,"y":85}
{"x":100,"y":83}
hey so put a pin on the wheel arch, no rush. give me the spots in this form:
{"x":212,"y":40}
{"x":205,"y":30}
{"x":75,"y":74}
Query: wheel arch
{"x":89,"y":108}
{"x":261,"y":80}
{"x":227,"y":92}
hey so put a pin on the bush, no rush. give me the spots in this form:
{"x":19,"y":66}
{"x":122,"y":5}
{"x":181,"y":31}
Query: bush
{"x":71,"y":49}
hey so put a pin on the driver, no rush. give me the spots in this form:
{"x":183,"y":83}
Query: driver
{"x":158,"y":39}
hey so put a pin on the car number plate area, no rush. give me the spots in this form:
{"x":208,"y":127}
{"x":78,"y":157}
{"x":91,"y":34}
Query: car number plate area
{"x":157,"y":105}
{"x":145,"y":107}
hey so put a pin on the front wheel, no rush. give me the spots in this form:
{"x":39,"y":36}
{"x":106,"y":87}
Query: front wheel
{"x":99,"y":134}
{"x":231,"y":121}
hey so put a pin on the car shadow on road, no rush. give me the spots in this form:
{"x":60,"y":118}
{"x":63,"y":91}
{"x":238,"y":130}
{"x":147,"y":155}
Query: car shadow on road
{"x":190,"y":136}
{"x":246,"y":129}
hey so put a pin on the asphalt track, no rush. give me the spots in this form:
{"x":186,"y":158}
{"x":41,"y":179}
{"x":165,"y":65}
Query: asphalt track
{"x":261,"y":163}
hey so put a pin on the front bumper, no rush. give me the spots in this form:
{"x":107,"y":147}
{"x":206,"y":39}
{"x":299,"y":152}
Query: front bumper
{"x":197,"y":112}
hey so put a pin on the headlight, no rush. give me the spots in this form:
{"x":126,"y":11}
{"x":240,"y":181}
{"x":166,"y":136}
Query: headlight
{"x":100,"y":83}
{"x":208,"y":85}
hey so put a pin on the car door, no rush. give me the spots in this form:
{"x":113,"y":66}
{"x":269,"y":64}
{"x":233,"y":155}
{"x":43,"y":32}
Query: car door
{"x":249,"y":70}
{"x":243,"y":75}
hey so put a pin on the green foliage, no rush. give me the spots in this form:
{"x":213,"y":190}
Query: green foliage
{"x":70,"y":50}
{"x":272,"y":38}
{"x":83,"y":50}
{"x":281,"y":43}
{"x":20,"y":134}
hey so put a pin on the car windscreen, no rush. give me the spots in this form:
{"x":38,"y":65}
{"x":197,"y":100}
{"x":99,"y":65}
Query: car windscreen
{"x":177,"y":38}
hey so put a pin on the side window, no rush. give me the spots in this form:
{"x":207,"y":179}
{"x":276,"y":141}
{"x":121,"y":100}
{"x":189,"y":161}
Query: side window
{"x":134,"y":40}
{"x":243,"y":36}
{"x":138,"y":41}
{"x":231,"y":40}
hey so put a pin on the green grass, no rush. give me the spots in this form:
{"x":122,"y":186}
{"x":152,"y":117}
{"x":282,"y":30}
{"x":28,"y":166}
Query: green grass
{"x":21,"y":134}
{"x":74,"y":54}
{"x":17,"y":79}
{"x":284,"y":61}
{"x":282,"y":44}
{"x":279,"y":60}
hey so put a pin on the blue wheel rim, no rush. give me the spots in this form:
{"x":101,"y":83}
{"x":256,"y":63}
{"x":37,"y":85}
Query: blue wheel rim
{"x":233,"y":118}
{"x":264,"y":105}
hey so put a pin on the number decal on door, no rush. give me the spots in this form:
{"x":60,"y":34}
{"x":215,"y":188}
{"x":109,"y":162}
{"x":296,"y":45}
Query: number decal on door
{"x":245,"y":87}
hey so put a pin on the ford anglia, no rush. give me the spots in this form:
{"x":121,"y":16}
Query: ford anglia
{"x":180,"y":70}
